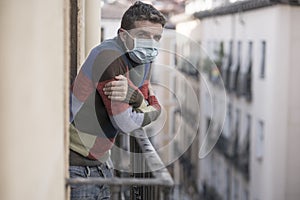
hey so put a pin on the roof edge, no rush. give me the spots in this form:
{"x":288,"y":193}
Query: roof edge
{"x":242,"y":6}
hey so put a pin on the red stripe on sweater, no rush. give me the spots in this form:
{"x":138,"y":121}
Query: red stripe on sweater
{"x":100,"y":146}
{"x":82,"y":87}
{"x":144,"y":89}
{"x":154,"y":102}
{"x":112,"y":107}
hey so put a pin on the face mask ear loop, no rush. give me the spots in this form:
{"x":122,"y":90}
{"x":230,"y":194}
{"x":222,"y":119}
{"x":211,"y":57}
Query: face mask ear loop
{"x":134,"y":41}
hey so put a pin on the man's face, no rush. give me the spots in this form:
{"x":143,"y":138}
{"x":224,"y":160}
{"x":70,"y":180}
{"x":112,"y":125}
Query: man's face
{"x":144,"y":30}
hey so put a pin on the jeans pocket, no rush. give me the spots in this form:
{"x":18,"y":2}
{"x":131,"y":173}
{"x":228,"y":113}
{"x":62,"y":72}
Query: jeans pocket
{"x":90,"y":192}
{"x":105,"y":171}
{"x":77,"y":172}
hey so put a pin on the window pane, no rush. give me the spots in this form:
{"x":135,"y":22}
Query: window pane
{"x":263,"y":59}
{"x":260,"y":140}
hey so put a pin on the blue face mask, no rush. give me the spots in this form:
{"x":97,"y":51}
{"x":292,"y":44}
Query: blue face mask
{"x":144,"y":50}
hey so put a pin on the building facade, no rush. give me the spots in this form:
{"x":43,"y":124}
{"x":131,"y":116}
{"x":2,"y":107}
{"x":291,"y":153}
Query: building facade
{"x":254,"y":45}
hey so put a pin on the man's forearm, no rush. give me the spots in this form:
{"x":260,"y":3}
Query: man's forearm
{"x":124,"y":116}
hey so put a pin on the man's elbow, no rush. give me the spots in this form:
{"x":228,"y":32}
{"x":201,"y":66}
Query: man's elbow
{"x":127,"y":121}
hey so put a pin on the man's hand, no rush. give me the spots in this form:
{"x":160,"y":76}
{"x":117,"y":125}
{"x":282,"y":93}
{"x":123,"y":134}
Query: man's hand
{"x":117,"y":90}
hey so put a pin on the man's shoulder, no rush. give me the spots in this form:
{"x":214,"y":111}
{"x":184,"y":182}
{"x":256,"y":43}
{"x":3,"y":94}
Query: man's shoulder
{"x":109,"y":45}
{"x":108,"y":52}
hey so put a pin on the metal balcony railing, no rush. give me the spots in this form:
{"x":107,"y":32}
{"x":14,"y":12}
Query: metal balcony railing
{"x":152,"y":182}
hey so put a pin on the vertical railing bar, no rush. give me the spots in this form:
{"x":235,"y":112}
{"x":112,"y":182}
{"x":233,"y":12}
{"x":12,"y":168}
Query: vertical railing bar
{"x":149,"y":188}
{"x":153,"y":192}
{"x":144,"y":176}
{"x":132,"y":163}
{"x":140,"y":166}
{"x":158,"y":193}
{"x":115,"y":192}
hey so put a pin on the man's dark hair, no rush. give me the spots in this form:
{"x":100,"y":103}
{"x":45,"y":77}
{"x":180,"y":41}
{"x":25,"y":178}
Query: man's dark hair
{"x":140,"y":11}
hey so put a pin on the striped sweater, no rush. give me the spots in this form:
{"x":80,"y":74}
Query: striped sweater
{"x":94,"y":119}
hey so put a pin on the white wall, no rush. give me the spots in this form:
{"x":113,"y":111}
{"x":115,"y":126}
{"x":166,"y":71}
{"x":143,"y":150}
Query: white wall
{"x":110,"y":27}
{"x":293,"y":120}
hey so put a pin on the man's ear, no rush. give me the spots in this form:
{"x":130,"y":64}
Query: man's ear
{"x":122,"y":34}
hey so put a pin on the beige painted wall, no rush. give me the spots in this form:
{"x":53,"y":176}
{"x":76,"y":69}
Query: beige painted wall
{"x":32,"y":100}
{"x":89,"y":28}
{"x":34,"y":77}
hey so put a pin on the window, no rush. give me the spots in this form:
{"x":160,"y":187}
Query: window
{"x":224,"y":65}
{"x":260,"y":140}
{"x":174,"y":88}
{"x":228,"y":184}
{"x":228,"y":122}
{"x":245,"y":195}
{"x":102,"y":34}
{"x":228,"y":70}
{"x":176,"y":54}
{"x":263,"y":59}
{"x":248,"y":125}
{"x":237,"y":131}
{"x":208,"y":121}
{"x":237,"y":120}
{"x":244,"y":149}
{"x":218,"y":62}
{"x":235,"y":68}
{"x":237,"y":71}
{"x":246,"y":136}
{"x":220,"y":55}
{"x":248,"y":80}
{"x":236,"y":189}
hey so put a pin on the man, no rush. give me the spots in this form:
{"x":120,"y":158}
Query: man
{"x":112,"y":94}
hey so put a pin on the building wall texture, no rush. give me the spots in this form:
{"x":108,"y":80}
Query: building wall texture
{"x":275,"y":100}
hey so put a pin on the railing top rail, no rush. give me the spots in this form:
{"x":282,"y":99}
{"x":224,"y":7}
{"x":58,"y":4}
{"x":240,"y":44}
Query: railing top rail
{"x":119,"y":181}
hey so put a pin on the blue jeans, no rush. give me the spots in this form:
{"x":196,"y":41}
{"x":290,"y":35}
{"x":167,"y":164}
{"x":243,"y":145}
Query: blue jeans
{"x":90,"y":192}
